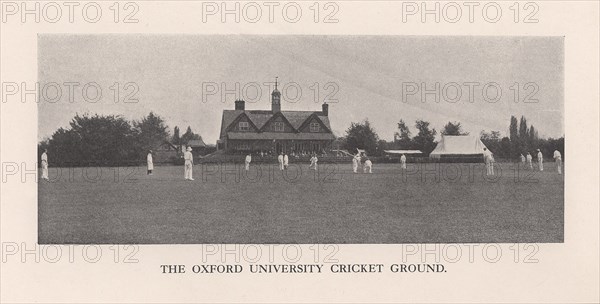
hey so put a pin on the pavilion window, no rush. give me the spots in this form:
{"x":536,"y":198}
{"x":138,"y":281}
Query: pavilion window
{"x":278,"y":126}
{"x":244,"y":126}
{"x":315,"y":127}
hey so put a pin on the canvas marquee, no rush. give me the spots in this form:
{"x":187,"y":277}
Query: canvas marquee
{"x":454,"y":146}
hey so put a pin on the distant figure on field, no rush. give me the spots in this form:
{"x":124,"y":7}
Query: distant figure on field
{"x":487,"y":159}
{"x":355,"y":162}
{"x":189,"y":163}
{"x":540,"y":159}
{"x":558,"y":160}
{"x":280,"y":160}
{"x":368,"y":166}
{"x":45,"y":165}
{"x":247,"y":161}
{"x":529,"y":161}
{"x":286,"y":161}
{"x":403,"y":162}
{"x":522,"y":159}
{"x":149,"y":162}
{"x":313,"y":162}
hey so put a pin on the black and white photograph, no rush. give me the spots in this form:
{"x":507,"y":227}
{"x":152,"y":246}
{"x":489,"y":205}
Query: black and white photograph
{"x":300,"y":139}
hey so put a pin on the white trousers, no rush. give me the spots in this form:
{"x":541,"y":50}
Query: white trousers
{"x":247,"y":166}
{"x":313,"y":165}
{"x":367,"y":169}
{"x":281,"y":166}
{"x":44,"y":170}
{"x":559,"y":165}
{"x":188,"y":170}
{"x":489,"y":168}
{"x":403,"y":165}
{"x":541,"y":165}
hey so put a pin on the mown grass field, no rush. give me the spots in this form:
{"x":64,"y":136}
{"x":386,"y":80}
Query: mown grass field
{"x":440,"y":203}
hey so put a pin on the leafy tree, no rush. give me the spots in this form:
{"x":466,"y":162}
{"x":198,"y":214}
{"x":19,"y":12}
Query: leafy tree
{"x":176,"y":139}
{"x":189,"y":135}
{"x":151,"y":132}
{"x":402,"y":137}
{"x":361,"y":136}
{"x":523,"y":130}
{"x":513,"y":129}
{"x":425,"y":139}
{"x":96,"y":139}
{"x":453,"y":129}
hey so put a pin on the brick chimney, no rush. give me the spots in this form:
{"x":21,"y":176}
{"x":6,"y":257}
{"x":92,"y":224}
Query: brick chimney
{"x":240,"y":105}
{"x":325,"y":109}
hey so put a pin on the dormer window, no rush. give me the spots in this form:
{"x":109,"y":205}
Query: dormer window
{"x":244,"y":126}
{"x":278,"y":126}
{"x":315,"y":127}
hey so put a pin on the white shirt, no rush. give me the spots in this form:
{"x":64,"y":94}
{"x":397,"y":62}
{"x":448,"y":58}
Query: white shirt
{"x":403,"y":158}
{"x":314,"y":159}
{"x":188,"y":156}
{"x":540,"y":156}
{"x":280,"y":158}
{"x":487,"y":156}
{"x":44,"y":157}
{"x":529,"y":157}
{"x":248,"y":158}
{"x":285,"y":159}
{"x":149,"y":158}
{"x":557,"y":154}
{"x":368,"y":163}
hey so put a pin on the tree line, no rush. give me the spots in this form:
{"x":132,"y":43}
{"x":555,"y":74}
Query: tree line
{"x":522,"y":139}
{"x":110,"y":140}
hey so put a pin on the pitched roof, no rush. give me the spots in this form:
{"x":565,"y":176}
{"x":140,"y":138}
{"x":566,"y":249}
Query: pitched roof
{"x":260,"y":118}
{"x":196,"y":143}
{"x":280,"y":136}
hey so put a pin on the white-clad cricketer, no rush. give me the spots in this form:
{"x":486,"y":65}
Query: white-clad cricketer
{"x":149,"y":162}
{"x":529,"y":161}
{"x":540,"y":159}
{"x":313,"y":162}
{"x":247,"y":161}
{"x":355,"y":162}
{"x":189,"y":163}
{"x":368,"y":166}
{"x":280,"y":160}
{"x":286,"y":161}
{"x":45,"y":165}
{"x":487,"y":159}
{"x":522,"y":159}
{"x":558,"y":160}
{"x":403,"y":162}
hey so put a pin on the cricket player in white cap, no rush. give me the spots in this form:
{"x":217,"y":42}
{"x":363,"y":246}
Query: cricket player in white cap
{"x":45,"y":165}
{"x":403,"y":162}
{"x":247,"y":161}
{"x":313,"y":162}
{"x":558,"y":160}
{"x":280,"y":160}
{"x":189,"y":163}
{"x":529,"y":161}
{"x":368,"y":166}
{"x":540,"y":159}
{"x":149,"y":162}
{"x":286,"y":161}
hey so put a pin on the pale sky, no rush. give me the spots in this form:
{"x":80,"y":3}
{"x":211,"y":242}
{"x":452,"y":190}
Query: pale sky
{"x":369,"y":72}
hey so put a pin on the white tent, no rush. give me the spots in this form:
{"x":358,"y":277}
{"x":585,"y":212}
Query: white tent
{"x":458,"y":145}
